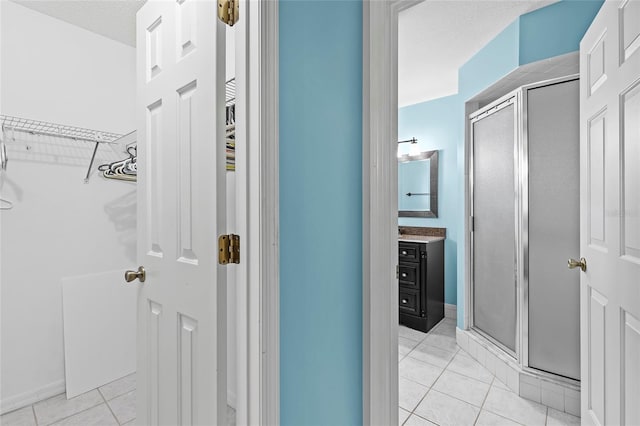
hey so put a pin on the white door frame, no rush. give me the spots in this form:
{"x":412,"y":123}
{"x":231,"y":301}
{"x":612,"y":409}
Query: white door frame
{"x":258,"y":339}
{"x":380,"y":222}
{"x":380,"y":209}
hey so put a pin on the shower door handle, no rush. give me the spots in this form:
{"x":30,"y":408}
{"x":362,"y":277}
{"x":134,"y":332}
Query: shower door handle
{"x":582,"y":264}
{"x":140,"y":274}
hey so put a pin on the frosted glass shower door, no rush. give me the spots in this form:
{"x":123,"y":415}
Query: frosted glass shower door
{"x":494,"y":231}
{"x":553,"y":146}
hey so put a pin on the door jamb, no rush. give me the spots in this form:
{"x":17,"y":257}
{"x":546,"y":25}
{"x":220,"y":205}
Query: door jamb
{"x":258,"y":339}
{"x":380,"y":209}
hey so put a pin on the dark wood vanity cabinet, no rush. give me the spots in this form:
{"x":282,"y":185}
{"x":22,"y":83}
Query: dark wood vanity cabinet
{"x":421,"y":279}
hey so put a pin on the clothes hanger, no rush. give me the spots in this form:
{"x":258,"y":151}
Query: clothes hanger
{"x":126,"y":169}
{"x":8,"y":204}
{"x":3,"y":152}
{"x":3,"y":155}
{"x":119,"y":176}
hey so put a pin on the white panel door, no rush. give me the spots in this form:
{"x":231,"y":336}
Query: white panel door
{"x":181,"y":211}
{"x":610,"y":216}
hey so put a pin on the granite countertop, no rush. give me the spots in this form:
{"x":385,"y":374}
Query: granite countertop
{"x":419,"y":238}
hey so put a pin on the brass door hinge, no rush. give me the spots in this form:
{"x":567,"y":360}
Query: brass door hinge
{"x":228,"y":249}
{"x":229,"y":11}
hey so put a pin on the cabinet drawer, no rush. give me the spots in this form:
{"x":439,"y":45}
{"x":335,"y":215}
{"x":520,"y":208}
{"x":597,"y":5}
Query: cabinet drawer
{"x":409,"y":302}
{"x":409,"y":275}
{"x":409,"y":251}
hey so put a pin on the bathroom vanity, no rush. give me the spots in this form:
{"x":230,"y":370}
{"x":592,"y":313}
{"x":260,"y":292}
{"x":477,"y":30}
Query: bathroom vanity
{"x":421,"y":280}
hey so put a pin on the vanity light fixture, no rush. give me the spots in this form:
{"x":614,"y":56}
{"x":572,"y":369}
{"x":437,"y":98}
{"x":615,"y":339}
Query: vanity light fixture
{"x":413,"y":149}
{"x":412,"y":140}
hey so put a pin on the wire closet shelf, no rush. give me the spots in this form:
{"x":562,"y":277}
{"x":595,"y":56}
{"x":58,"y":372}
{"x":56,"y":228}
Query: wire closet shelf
{"x":230,"y":92}
{"x":35,"y":127}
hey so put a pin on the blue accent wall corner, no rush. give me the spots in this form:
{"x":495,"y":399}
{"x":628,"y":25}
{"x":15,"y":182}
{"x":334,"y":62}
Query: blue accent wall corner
{"x":555,"y":29}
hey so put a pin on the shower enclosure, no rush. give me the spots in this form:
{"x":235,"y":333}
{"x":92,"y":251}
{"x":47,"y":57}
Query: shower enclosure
{"x":524,"y":205}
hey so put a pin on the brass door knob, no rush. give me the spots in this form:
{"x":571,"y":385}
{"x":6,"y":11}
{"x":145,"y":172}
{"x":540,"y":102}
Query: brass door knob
{"x":582,"y":263}
{"x":140,"y":274}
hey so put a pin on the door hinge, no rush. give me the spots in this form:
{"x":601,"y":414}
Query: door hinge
{"x":229,"y":11}
{"x":397,"y":272}
{"x":228,"y":249}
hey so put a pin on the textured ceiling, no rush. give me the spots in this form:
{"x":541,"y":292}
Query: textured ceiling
{"x":436,"y":37}
{"x":115,"y":19}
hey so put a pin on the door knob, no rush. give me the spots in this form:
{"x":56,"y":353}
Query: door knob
{"x":140,"y":274}
{"x":582,"y":263}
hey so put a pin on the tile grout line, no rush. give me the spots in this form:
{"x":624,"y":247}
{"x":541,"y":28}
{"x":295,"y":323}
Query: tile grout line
{"x":456,"y":398}
{"x":38,"y":423}
{"x":431,"y":388}
{"x":460,"y":399}
{"x":411,"y":413}
{"x":487,"y":395}
{"x":492,"y":385}
{"x":108,"y":406}
{"x":484,"y":400}
{"x":502,"y":414}
{"x":546,"y":417}
{"x":65,"y":418}
{"x":33,"y":410}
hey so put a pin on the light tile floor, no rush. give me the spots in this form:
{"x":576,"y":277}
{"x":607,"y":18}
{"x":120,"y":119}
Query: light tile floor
{"x":439,"y":384}
{"x":442,"y":385}
{"x":113,"y":404}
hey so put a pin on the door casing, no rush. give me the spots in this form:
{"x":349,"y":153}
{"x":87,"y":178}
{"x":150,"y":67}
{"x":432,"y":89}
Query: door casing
{"x":380,"y":209}
{"x":257,"y":183}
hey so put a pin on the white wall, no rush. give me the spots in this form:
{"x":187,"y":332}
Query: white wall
{"x":59,"y":227}
{"x":61,"y":73}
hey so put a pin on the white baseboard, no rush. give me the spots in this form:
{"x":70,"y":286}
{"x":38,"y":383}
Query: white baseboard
{"x":56,"y":388}
{"x":450,"y":311}
{"x":31,"y":397}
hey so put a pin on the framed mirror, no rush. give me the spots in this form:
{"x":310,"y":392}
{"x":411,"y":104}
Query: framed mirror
{"x":418,"y":185}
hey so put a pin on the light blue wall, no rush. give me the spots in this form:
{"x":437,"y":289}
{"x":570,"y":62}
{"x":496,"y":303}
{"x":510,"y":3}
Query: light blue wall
{"x":435,"y":125}
{"x":495,"y":60}
{"x":320,"y":212}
